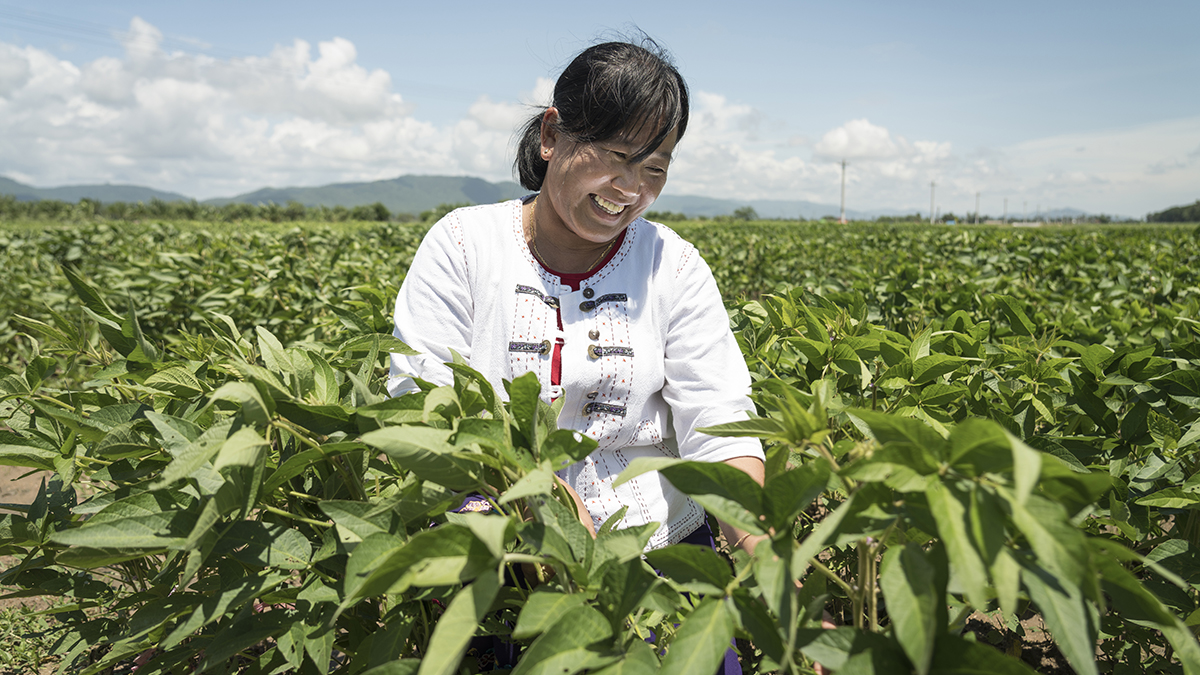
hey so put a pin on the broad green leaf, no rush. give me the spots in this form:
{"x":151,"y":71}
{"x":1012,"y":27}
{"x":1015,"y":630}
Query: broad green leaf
{"x":1062,"y":606}
{"x":258,"y":544}
{"x":537,"y":482}
{"x":950,"y":513}
{"x":563,"y":447}
{"x":726,"y":492}
{"x":177,"y":381}
{"x":697,"y":568}
{"x":543,"y":610}
{"x":1171,"y":498}
{"x":400,"y":667}
{"x":378,"y":342}
{"x":929,"y":368}
{"x":909,"y":584}
{"x":758,"y":427}
{"x":150,"y":520}
{"x":28,"y":456}
{"x":492,"y":530}
{"x":1059,"y":546}
{"x":457,"y":626}
{"x":228,"y":600}
{"x":255,"y":409}
{"x":175,"y":433}
{"x":980,"y":446}
{"x":564,"y":648}
{"x":821,"y":534}
{"x":296,"y":464}
{"x":894,"y":429}
{"x":833,"y":648}
{"x":956,"y":656}
{"x":1015,"y":313}
{"x":639,"y":660}
{"x":752,"y":617}
{"x":426,"y":452}
{"x":361,"y":518}
{"x":702,"y":640}
{"x":790,"y":492}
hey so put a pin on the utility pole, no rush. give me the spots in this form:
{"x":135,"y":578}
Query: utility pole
{"x":931,"y":192}
{"x":843,"y":219}
{"x":976,"y":208}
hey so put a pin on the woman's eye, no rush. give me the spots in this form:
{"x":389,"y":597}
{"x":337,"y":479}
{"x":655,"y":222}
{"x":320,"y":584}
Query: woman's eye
{"x":619,"y":155}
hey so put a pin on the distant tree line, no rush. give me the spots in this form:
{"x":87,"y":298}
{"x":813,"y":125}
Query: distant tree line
{"x":157,"y":209}
{"x":1177,"y":214}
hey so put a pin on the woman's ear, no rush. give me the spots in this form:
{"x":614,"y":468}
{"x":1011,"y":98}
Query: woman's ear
{"x":549,"y":133}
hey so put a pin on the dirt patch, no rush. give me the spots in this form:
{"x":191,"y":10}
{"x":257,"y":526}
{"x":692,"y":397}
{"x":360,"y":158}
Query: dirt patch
{"x":1030,"y":642}
{"x":17,"y":490}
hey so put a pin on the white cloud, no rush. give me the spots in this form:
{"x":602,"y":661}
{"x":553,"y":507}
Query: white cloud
{"x":207,"y":127}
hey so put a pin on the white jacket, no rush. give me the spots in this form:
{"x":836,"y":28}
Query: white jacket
{"x":665,"y":359}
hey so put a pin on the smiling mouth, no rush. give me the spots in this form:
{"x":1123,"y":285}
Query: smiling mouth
{"x":607,"y":206}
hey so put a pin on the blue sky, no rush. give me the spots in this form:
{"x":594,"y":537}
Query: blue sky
{"x":1091,"y":105}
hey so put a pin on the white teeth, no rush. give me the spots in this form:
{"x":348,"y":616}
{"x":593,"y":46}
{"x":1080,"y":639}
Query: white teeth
{"x":607,"y":205}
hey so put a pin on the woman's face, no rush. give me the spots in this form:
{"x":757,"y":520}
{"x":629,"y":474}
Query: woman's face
{"x":596,"y":190}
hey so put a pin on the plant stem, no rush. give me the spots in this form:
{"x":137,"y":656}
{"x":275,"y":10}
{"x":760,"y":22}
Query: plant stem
{"x":829,"y":574}
{"x":299,"y":519}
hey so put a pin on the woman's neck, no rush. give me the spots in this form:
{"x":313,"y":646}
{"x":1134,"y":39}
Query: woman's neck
{"x":555,"y":246}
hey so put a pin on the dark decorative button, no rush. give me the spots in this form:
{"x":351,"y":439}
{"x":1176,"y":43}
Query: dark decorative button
{"x":592,"y":352}
{"x":587,"y":306}
{"x":592,"y":395}
{"x":588,"y":293}
{"x":545,"y":346}
{"x":594,"y":334}
{"x":590,"y":408}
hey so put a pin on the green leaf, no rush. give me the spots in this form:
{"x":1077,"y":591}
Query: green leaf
{"x":950,"y":514}
{"x":956,"y":656}
{"x":28,"y":456}
{"x":566,"y":648}
{"x":1061,"y":603}
{"x":255,"y":409}
{"x":929,"y":368}
{"x":376,"y":342}
{"x":834,"y":648}
{"x":457,"y":626}
{"x":702,"y":640}
{"x":726,"y":492}
{"x":563,"y":447}
{"x":790,"y":492}
{"x":1013,"y":311}
{"x":895,"y":429}
{"x":426,"y":452}
{"x":401,"y":667}
{"x":639,"y":660}
{"x":146,"y":521}
{"x":537,"y":482}
{"x":178,"y":381}
{"x":1060,"y":547}
{"x":1171,"y":498}
{"x":758,"y":427}
{"x":258,"y":544}
{"x":910,"y":586}
{"x":543,"y":610}
{"x":696,"y":568}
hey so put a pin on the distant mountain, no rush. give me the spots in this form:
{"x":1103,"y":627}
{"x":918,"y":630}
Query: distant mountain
{"x":406,"y":194}
{"x":414,"y":194}
{"x":101,"y":193}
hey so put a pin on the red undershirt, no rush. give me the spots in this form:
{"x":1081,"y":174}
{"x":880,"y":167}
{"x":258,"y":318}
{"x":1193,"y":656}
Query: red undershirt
{"x":574,"y":281}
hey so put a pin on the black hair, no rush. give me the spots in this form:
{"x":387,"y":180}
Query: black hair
{"x":609,"y":90}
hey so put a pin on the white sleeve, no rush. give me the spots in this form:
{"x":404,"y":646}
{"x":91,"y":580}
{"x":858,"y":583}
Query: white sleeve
{"x":707,"y":382}
{"x":434,"y":310}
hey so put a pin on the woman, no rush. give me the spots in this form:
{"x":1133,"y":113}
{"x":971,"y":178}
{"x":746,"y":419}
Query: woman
{"x":619,"y":315}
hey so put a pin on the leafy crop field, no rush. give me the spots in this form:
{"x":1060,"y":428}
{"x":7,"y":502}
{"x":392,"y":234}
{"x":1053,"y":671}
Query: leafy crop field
{"x":964,"y":426}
